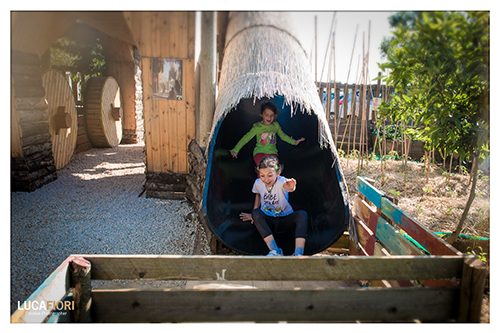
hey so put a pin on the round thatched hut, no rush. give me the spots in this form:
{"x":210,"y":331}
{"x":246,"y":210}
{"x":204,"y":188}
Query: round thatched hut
{"x":263,"y":61}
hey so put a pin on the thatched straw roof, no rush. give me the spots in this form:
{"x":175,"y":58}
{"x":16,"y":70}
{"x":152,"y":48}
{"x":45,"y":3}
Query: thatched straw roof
{"x":263,"y":58}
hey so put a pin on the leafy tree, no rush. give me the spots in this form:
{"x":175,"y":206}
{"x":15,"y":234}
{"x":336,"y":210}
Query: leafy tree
{"x":439,"y":67}
{"x":400,"y":19}
{"x":80,"y":54}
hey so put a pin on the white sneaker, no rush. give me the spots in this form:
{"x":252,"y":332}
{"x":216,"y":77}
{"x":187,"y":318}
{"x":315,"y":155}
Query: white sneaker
{"x":274,"y":253}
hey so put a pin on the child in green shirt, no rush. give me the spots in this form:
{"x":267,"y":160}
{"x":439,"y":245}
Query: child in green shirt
{"x":265,"y":132}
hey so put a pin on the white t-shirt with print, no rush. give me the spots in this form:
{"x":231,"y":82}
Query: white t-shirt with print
{"x":274,"y":200}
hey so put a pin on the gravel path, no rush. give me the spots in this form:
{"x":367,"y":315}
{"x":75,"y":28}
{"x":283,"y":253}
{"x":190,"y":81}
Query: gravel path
{"x":93,"y":208}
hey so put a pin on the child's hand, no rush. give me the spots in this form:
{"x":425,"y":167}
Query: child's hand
{"x":246,"y":217}
{"x":233,"y":154}
{"x":299,"y":141}
{"x":290,"y":184}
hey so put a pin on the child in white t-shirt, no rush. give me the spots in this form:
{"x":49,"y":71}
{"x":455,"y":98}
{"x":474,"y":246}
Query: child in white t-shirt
{"x":272,"y":211}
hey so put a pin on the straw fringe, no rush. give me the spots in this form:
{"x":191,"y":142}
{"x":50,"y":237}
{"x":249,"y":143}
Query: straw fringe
{"x":263,"y":59}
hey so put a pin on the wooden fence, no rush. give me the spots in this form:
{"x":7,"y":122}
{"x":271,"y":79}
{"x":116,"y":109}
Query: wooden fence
{"x":351,"y":112}
{"x":371,"y":304}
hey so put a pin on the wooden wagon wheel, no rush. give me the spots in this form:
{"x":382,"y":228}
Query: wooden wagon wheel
{"x":103,"y":112}
{"x":63,"y":121}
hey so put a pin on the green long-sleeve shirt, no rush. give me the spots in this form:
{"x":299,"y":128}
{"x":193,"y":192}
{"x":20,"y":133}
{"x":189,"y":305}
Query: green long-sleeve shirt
{"x":265,"y":137}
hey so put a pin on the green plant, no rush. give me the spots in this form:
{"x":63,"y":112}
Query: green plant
{"x":463,"y":170}
{"x":392,"y":132}
{"x":372,"y":157}
{"x":80,"y":59}
{"x":448,"y":210}
{"x":341,"y":153}
{"x":451,"y":192}
{"x":481,"y":254}
{"x":439,"y":67}
{"x":427,"y":189}
{"x":396,"y":193}
{"x":481,"y":213}
{"x":393,"y":155}
{"x":354,"y":154}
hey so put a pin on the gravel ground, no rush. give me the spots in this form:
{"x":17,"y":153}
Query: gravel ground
{"x":93,"y":208}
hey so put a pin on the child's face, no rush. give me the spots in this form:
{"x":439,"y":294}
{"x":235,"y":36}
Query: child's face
{"x":269,"y":176}
{"x":267,"y":117}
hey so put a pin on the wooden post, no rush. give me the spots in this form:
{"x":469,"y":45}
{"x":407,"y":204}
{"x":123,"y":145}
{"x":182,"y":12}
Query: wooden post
{"x":471,"y":290}
{"x":427,"y":162}
{"x":381,"y":146}
{"x":336,"y":109}
{"x":328,"y":94}
{"x":222,"y":19}
{"x":80,"y":282}
{"x":208,"y":76}
{"x":377,"y":92}
{"x":336,"y":96}
{"x":451,"y":163}
{"x":316,"y":51}
{"x":344,"y":111}
{"x":361,"y":129}
{"x":353,"y":108}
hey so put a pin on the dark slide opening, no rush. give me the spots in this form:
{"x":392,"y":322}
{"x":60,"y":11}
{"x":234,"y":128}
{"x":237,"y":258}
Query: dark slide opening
{"x":228,"y":189}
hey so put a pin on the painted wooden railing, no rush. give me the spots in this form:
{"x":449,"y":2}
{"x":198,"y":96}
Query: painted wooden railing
{"x":380,"y":222}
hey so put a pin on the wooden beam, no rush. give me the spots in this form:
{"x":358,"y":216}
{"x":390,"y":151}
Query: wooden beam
{"x":394,"y":240}
{"x":35,"y":31}
{"x":471,"y":293}
{"x":53,"y":289}
{"x":342,"y":242}
{"x":207,"y":77}
{"x":222,"y":21}
{"x":81,"y":283}
{"x":425,"y":237}
{"x":382,"y":231}
{"x":367,"y":239}
{"x":169,"y":267}
{"x":113,"y":23}
{"x":242,"y":305}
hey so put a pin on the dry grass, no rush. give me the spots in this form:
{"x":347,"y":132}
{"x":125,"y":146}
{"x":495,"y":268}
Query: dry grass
{"x":438,"y":204}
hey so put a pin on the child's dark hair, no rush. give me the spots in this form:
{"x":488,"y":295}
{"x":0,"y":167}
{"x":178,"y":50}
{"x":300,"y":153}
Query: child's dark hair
{"x":270,"y":162}
{"x":270,"y":106}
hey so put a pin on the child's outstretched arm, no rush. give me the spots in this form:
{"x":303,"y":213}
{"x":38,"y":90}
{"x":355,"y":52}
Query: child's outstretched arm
{"x":290,"y":184}
{"x":243,"y":141}
{"x":299,"y":141}
{"x":288,"y":139}
{"x":256,"y":205}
